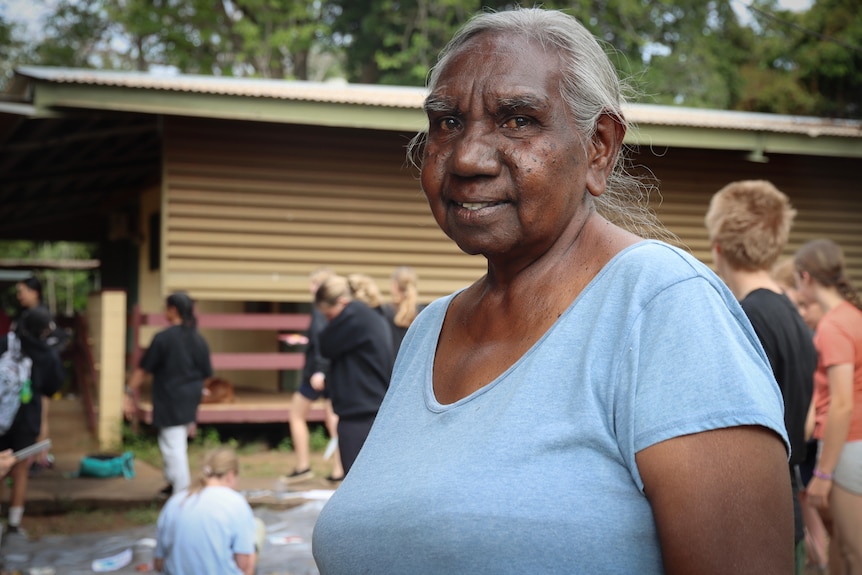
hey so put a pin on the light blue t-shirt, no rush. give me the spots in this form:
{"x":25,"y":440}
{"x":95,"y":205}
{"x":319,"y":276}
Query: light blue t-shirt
{"x":200,"y":533}
{"x":535,"y":472}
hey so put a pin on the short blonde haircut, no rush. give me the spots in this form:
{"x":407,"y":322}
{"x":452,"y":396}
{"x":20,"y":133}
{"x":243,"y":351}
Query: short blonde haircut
{"x":750,"y":222}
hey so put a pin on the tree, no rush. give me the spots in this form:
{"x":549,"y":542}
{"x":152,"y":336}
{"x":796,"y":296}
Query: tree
{"x":687,"y":52}
{"x":63,"y":291}
{"x":827,"y":57}
{"x":12,"y":48}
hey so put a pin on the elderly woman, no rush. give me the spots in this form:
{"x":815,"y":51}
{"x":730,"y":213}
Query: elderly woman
{"x":596,"y":403}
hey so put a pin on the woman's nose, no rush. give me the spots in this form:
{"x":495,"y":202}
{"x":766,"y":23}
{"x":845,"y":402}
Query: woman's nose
{"x":476,"y":152}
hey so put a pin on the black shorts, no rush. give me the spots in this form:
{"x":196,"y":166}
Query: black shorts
{"x":310,"y":393}
{"x":17,"y":438}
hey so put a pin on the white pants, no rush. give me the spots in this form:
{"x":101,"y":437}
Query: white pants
{"x":173,"y":443}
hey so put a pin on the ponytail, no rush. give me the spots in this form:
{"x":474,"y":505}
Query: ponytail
{"x":823,"y":260}
{"x":404,"y":278}
{"x":185,"y":306}
{"x":217,"y":463}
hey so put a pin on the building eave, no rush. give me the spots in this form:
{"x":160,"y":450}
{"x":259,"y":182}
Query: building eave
{"x":44,"y":91}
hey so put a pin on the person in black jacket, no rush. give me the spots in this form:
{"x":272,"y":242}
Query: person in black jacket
{"x":179,"y":361}
{"x":46,"y":377}
{"x":358,"y":344}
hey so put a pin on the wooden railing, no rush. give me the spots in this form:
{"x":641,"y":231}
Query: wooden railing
{"x":252,"y":405}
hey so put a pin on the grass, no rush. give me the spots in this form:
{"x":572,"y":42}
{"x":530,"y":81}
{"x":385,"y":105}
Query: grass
{"x":246,"y":440}
{"x":78,"y":519}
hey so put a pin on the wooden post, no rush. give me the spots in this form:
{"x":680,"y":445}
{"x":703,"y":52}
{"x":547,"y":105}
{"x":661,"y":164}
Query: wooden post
{"x":112,"y":368}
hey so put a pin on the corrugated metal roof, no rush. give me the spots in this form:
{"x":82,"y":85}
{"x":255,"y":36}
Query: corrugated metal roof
{"x":412,"y":98}
{"x":750,"y":121}
{"x":333,"y":92}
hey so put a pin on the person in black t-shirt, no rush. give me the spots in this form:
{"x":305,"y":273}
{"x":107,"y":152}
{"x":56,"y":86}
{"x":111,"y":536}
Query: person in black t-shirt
{"x":179,"y":361}
{"x":748,"y":224}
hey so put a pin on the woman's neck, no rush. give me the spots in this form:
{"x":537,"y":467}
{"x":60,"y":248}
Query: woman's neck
{"x":829,"y":298}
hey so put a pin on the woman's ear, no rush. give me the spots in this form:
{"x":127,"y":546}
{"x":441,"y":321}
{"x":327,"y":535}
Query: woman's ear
{"x":603,"y":151}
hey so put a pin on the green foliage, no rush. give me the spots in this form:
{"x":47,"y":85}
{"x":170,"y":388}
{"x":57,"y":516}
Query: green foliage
{"x":687,"y":52}
{"x":145,"y":515}
{"x":208,"y":438}
{"x":285,"y":445}
{"x":13,"y":48}
{"x":145,"y":446}
{"x":63,"y":291}
{"x":318,"y":438}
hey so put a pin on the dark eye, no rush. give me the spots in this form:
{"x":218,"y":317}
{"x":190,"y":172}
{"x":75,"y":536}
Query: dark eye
{"x":449,"y":124}
{"x":516,"y":122}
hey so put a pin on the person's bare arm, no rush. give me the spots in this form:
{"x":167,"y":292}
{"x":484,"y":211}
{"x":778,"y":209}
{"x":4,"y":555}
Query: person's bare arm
{"x":246,"y":562}
{"x":7,"y":460}
{"x":135,"y":381}
{"x":811,"y":418}
{"x":722,"y":502}
{"x":835,"y":432}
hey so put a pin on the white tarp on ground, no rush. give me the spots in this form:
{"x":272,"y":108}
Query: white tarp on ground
{"x":287,"y":550}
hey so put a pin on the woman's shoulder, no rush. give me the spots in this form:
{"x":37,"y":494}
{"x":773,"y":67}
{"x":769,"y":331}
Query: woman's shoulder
{"x":845,"y":319}
{"x":653,"y":265}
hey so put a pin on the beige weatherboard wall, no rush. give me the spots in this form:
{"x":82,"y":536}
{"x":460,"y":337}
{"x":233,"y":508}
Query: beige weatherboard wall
{"x":252,"y":208}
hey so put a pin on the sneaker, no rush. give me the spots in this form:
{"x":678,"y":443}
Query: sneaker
{"x":297,"y":475}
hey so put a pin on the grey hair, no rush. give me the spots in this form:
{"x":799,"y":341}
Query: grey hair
{"x":590,"y":87}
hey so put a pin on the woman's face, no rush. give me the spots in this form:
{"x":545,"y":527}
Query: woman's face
{"x":28,"y":298}
{"x":504,"y":170}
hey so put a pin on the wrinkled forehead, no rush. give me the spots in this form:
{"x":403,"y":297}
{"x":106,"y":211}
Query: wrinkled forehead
{"x":502,"y":59}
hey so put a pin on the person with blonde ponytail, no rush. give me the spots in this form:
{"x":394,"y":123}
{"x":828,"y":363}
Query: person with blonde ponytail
{"x":210,"y":528}
{"x":836,"y":488}
{"x":405,"y":303}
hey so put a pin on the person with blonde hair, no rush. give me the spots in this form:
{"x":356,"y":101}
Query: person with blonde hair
{"x":748,"y":223}
{"x":358,"y":344}
{"x":364,"y":288}
{"x":405,"y":303}
{"x":315,"y":368}
{"x":210,"y":528}
{"x":836,"y":488}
